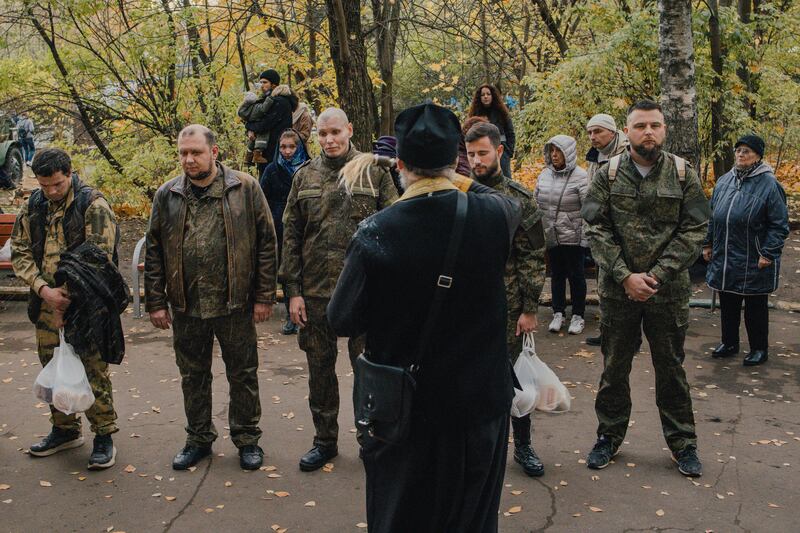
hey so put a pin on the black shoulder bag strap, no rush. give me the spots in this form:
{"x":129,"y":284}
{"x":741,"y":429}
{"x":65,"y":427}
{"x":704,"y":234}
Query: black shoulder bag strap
{"x":445,"y":279}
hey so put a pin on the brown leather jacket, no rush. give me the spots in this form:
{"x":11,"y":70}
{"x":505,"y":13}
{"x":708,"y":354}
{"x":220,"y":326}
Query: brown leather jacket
{"x":249,"y":230}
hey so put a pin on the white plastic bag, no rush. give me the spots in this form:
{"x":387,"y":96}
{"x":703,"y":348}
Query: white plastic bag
{"x":525,"y":400}
{"x":553,"y":395}
{"x":5,"y":251}
{"x":43,"y":386}
{"x":69,"y":386}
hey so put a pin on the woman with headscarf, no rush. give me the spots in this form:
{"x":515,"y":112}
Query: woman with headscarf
{"x":276,"y":182}
{"x":748,"y":227}
{"x":560,"y":192}
{"x":488,"y":102}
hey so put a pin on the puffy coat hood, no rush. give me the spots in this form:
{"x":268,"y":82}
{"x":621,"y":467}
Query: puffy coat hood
{"x":568,"y":147}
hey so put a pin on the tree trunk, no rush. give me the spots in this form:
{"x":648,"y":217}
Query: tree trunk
{"x":720,"y":135}
{"x":552,"y":27}
{"x":745,"y":9}
{"x":676,"y":71}
{"x":487,"y":76}
{"x":386,"y":16}
{"x":86,"y":119}
{"x":350,"y":62}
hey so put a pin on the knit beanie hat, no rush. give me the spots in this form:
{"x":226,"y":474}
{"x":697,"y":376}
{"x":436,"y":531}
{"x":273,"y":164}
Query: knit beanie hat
{"x":755,"y":142}
{"x":271,"y":76}
{"x":602,"y":120}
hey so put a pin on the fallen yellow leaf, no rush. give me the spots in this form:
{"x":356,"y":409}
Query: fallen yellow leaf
{"x":169,"y":498}
{"x":45,"y":484}
{"x":3,"y":486}
{"x":774,"y":505}
{"x":312,"y":503}
{"x":130,"y":469}
{"x":515,"y":509}
{"x":660,"y":512}
{"x":281,"y":494}
{"x":517,"y":492}
{"x":595,"y":509}
{"x":228,"y":483}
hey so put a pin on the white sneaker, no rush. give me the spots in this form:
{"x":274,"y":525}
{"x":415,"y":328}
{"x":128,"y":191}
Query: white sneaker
{"x":576,"y":325}
{"x":557,"y":322}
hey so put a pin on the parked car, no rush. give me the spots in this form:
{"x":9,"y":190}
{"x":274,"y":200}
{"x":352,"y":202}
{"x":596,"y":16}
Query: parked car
{"x":11,"y":161}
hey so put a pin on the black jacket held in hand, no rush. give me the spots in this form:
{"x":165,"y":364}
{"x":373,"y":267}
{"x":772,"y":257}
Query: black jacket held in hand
{"x":99,"y":294}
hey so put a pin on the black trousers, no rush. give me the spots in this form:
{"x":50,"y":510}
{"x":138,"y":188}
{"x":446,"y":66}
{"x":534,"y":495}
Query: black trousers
{"x":566,"y":264}
{"x":442,"y":479}
{"x":756,"y":318}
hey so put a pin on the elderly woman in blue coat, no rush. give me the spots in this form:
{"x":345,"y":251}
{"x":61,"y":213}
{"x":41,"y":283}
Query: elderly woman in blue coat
{"x":749,"y":225}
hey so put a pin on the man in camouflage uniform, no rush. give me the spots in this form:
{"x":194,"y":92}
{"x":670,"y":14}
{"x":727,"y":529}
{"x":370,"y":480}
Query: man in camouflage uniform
{"x":647,"y":217}
{"x":525,"y":269}
{"x":319,"y":221}
{"x":211,"y":256}
{"x":61,"y":214}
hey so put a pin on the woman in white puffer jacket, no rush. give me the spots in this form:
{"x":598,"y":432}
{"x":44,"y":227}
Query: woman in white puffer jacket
{"x":560,"y":192}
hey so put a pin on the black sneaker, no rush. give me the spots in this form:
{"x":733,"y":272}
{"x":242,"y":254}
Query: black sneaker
{"x":251,"y":457}
{"x":104,"y":453}
{"x":316,"y":457}
{"x":58,"y":440}
{"x":688,"y":462}
{"x":289,"y":328}
{"x":189,"y":456}
{"x":601,"y":454}
{"x":526,"y":456}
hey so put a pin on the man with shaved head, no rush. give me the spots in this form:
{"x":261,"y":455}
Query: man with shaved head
{"x":319,"y":220}
{"x":211,"y":258}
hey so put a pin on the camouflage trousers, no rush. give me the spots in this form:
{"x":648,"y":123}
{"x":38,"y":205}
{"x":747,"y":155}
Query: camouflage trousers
{"x":101,"y":414}
{"x":193,"y":340}
{"x":318,"y":340}
{"x":664,"y":325}
{"x":522,"y":427}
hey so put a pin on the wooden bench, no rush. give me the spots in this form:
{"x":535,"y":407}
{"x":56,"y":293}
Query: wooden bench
{"x":6,"y":225}
{"x":137,"y":267}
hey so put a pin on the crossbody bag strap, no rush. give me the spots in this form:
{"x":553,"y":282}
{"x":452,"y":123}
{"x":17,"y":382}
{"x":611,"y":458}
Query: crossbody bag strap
{"x":445,"y":279}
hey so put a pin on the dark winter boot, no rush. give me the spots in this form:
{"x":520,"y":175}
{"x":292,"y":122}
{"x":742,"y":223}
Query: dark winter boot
{"x":523,"y":451}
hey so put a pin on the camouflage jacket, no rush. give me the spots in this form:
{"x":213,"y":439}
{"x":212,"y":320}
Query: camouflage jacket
{"x":100,"y":229}
{"x":652,"y":224}
{"x":525,"y":268}
{"x":319,"y":221}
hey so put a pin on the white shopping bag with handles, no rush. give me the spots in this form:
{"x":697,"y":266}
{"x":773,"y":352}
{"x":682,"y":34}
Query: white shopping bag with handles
{"x":525,"y":399}
{"x":63,"y":381}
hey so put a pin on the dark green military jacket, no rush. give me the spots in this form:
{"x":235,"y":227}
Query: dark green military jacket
{"x":319,"y":221}
{"x":525,"y":268}
{"x":652,"y":224}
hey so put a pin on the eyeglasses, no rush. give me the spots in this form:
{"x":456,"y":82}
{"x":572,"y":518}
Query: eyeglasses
{"x":742,"y":150}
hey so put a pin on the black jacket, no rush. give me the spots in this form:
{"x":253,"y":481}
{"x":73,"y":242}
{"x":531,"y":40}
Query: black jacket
{"x":99,"y":294}
{"x":274,"y":122}
{"x":387,"y":286}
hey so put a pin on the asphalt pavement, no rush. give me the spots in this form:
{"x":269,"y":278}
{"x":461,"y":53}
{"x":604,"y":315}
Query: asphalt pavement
{"x":748,"y":425}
